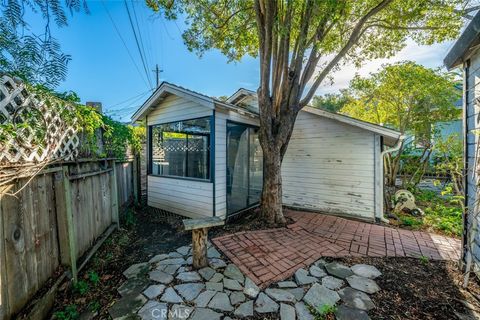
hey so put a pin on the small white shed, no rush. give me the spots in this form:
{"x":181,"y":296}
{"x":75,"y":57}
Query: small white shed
{"x":204,"y":157}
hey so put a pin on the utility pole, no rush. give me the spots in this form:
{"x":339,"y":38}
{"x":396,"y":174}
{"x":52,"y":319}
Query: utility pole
{"x":157,"y":73}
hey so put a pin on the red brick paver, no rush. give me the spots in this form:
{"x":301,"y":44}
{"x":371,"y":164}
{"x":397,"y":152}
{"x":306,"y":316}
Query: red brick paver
{"x":268,"y":256}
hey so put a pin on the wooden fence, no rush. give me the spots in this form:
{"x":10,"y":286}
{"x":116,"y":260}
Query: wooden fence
{"x":54,"y":220}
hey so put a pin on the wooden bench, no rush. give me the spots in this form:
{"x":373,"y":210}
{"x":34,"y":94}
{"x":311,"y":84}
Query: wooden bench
{"x":199,"y":229}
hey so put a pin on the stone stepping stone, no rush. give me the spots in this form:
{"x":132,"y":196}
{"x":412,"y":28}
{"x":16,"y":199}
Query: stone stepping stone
{"x":264,"y":304}
{"x":179,"y":312}
{"x":356,"y":299}
{"x":189,"y":291}
{"x":160,"y":276}
{"x":213,"y":253}
{"x":179,"y":261}
{"x":250,"y":288}
{"x":366,"y":271}
{"x":298,"y":293}
{"x":287,"y":312}
{"x":189,"y":260}
{"x":154,"y":291}
{"x":317,"y":272}
{"x":204,"y":298}
{"x":136,"y":270}
{"x":321,"y":263}
{"x":217,"y":263}
{"x":133,"y":286}
{"x":127,"y":306}
{"x":332,"y":282}
{"x":338,"y":270}
{"x":286,"y":284}
{"x":232,"y":284}
{"x":175,"y":255}
{"x":184,"y":251}
{"x":346,"y":313}
{"x":217,"y":277}
{"x":302,"y":312}
{"x":302,"y":277}
{"x":170,"y":268}
{"x":220,"y":302}
{"x":232,"y":272}
{"x":244,"y":310}
{"x":280,"y":295}
{"x":153,"y":310}
{"x":318,"y":296}
{"x":237,"y":297}
{"x":214,"y":286}
{"x":158,"y":258}
{"x":191,"y":276}
{"x":171,"y":296}
{"x":363,"y":284}
{"x":205,"y":314}
{"x":207,"y":273}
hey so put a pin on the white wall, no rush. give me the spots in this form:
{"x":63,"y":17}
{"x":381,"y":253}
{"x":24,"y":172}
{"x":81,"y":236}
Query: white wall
{"x":330,"y":167}
{"x":186,"y":197}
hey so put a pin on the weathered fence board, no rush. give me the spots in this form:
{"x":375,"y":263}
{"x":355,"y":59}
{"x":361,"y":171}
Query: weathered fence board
{"x":55,"y":219}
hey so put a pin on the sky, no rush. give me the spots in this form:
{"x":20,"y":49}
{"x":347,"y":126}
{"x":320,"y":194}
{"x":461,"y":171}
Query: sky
{"x":106,"y":66}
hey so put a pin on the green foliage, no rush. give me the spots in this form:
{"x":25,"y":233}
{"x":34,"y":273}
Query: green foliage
{"x":94,"y":306}
{"x":449,"y":162}
{"x":332,"y":102}
{"x":411,"y":221}
{"x":34,"y":55}
{"x":405,"y":96}
{"x":93,"y":277}
{"x":445,"y":218}
{"x":129,"y":218}
{"x":424,"y":260}
{"x":323,"y":312}
{"x":81,"y":287}
{"x":69,"y":313}
{"x":118,"y":137}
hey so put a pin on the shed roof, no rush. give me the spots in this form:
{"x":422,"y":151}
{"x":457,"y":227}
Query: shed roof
{"x":465,"y":44}
{"x":390,"y":136}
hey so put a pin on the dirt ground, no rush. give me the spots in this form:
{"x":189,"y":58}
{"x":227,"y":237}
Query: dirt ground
{"x":411,"y":288}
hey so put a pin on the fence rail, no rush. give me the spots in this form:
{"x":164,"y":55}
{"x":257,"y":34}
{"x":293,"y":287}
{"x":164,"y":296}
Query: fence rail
{"x":54,"y":220}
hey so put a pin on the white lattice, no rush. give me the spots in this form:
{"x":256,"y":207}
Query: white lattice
{"x":50,"y":138}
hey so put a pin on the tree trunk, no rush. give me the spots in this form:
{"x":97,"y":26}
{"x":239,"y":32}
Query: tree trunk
{"x":271,"y":203}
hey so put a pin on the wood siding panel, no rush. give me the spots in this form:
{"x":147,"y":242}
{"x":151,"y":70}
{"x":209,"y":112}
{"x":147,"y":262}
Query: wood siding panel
{"x":186,"y":197}
{"x":330,"y":167}
{"x":174,"y":108}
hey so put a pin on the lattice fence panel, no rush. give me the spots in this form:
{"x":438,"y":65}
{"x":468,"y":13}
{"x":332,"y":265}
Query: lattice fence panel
{"x":51,"y":138}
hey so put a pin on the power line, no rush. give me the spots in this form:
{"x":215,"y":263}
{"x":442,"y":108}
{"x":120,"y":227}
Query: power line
{"x":123,"y":41}
{"x":139,"y":32}
{"x":131,"y":98}
{"x":138,"y":44}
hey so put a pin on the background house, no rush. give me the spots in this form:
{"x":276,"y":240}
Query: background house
{"x":204,"y":157}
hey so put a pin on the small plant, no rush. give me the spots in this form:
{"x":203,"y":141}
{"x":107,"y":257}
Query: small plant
{"x":424,"y":260}
{"x":324,"y":312}
{"x":81,"y":287}
{"x":93,"y":277}
{"x":69,"y":313}
{"x":94,"y":306}
{"x":129,"y":218}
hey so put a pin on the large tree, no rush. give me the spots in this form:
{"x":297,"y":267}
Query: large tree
{"x":411,"y":99}
{"x":299,"y":43}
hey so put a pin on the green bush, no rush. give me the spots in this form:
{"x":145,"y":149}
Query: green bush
{"x":69,"y":313}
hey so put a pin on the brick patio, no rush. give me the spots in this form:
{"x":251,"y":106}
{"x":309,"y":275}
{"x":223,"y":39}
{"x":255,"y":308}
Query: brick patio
{"x":267,"y":256}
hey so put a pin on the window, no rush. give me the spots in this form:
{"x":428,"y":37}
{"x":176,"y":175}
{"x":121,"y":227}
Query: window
{"x":181,"y":149}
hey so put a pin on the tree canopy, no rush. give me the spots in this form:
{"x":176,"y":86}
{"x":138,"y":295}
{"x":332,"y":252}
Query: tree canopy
{"x":332,"y":102}
{"x":34,"y":55}
{"x":406,"y":96}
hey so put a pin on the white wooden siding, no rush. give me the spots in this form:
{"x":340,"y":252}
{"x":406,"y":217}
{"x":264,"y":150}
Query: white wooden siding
{"x":472,"y":123}
{"x":221,"y":117}
{"x":330,"y":167}
{"x":174,"y":108}
{"x":186,"y":197}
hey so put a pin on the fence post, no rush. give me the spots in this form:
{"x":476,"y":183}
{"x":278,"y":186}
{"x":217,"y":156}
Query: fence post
{"x":3,"y":273}
{"x":114,"y":194}
{"x":66,"y":228}
{"x":136,"y":200}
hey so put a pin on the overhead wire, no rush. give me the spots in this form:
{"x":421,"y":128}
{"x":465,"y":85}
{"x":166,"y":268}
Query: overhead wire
{"x":138,"y":44}
{"x":123,"y":41}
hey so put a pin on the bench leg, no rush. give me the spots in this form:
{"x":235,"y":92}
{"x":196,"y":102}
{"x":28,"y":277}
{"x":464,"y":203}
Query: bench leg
{"x":199,"y":247}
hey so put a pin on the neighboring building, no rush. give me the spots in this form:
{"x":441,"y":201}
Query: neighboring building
{"x":465,"y":54}
{"x":204,"y":157}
